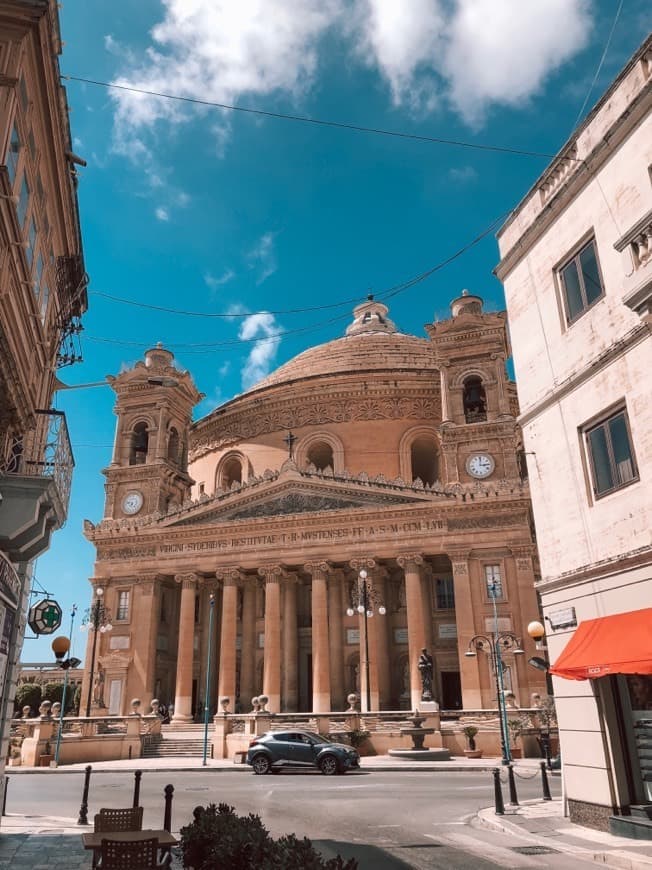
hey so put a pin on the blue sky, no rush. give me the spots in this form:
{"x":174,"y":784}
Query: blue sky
{"x":205,"y":210}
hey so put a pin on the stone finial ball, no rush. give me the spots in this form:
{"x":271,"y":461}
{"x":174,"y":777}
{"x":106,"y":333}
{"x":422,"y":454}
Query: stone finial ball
{"x":27,"y":711}
{"x":135,"y":702}
{"x":263,"y":700}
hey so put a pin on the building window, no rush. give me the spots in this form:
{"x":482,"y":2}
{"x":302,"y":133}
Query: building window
{"x":23,"y":202}
{"x":610,"y":454}
{"x":423,"y":457}
{"x":475,"y":400}
{"x":123,"y":605}
{"x":581,"y":282}
{"x":320,"y":455}
{"x":231,"y":472}
{"x":494,"y":582}
{"x":12,"y":154}
{"x":445,"y":593}
{"x":139,"y":445}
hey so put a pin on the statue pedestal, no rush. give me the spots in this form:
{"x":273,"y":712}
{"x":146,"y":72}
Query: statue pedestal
{"x":428,"y":707}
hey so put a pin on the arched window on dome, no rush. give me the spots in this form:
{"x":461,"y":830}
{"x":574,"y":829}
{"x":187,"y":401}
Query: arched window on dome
{"x":424,"y":460}
{"x":232,"y":468}
{"x":139,"y":444}
{"x":173,"y":446}
{"x":475,"y":400}
{"x":320,"y":454}
{"x":231,"y":472}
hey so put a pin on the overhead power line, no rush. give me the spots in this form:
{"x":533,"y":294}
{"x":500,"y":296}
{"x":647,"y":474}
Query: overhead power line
{"x":320,"y":122}
{"x":206,"y":347}
{"x":600,"y":64}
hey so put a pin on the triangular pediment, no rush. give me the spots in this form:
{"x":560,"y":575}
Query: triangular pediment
{"x":293,"y":492}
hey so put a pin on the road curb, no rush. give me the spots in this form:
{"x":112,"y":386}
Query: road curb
{"x":242,"y":768}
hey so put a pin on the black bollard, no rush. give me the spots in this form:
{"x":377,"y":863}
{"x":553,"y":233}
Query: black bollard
{"x":137,"y":777}
{"x":498,"y":793}
{"x":167,"y":816}
{"x":513,"y":797}
{"x":544,"y":782}
{"x":4,"y":796}
{"x":83,"y":810}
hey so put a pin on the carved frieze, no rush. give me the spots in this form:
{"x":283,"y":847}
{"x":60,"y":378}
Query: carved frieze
{"x":486,"y":522}
{"x":291,"y":413}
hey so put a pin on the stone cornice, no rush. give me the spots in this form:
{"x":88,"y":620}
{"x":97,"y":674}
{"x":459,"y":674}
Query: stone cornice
{"x":574,"y":183}
{"x":586,"y":573}
{"x":572,"y":382}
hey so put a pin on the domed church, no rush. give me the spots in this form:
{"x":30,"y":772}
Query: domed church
{"x":313,"y":535}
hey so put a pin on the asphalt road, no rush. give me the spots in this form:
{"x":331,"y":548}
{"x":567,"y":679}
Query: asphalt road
{"x":388,"y":821}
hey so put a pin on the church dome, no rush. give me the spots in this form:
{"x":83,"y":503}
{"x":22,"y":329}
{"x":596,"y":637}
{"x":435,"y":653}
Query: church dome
{"x":372,"y":343}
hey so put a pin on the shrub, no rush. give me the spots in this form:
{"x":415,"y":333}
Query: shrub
{"x":52,"y":692}
{"x":27,"y":695}
{"x":220,"y":838}
{"x":357,"y":737}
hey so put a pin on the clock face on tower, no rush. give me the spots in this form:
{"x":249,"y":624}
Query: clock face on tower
{"x":480,"y":465}
{"x":132,"y":502}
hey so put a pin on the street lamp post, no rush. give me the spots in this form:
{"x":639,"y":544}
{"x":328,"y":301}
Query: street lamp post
{"x":208,"y":676}
{"x":97,"y":619}
{"x":365,"y":598}
{"x":499,"y":642}
{"x":67,"y":666}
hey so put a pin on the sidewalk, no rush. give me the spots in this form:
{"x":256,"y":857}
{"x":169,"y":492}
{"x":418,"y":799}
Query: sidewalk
{"x":543,"y":821}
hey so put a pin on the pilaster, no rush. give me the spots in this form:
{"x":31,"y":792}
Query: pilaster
{"x":464,"y":618}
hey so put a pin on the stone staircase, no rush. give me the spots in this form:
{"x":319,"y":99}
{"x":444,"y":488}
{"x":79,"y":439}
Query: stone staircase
{"x":176,"y":741}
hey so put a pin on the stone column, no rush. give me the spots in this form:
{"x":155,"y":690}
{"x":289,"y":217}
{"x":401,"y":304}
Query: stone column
{"x":446,"y":414}
{"x":290,"y":698}
{"x":230,"y":578}
{"x":185,"y":649}
{"x":524,"y":610}
{"x":248,"y":644}
{"x":411,"y":564}
{"x":464,"y":618}
{"x":381,"y":645}
{"x":336,"y":640}
{"x":321,"y":669}
{"x":272,"y":660}
{"x":146,"y":602}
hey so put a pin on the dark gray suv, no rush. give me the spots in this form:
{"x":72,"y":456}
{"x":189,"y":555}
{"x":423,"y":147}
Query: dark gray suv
{"x":276,"y":750}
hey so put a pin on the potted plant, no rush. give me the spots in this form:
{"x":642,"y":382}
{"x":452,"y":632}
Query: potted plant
{"x":472,"y":751}
{"x":516,"y":727}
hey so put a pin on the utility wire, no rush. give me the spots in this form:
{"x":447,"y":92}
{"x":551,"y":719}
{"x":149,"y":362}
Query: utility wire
{"x":602,"y":60}
{"x":393,"y":291}
{"x":389,"y":293}
{"x":320,"y":122}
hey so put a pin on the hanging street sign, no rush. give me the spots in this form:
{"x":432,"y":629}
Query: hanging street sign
{"x":45,"y":616}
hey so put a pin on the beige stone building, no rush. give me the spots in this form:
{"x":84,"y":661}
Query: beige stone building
{"x":577,"y":269}
{"x":42,"y":297}
{"x":379,"y":452}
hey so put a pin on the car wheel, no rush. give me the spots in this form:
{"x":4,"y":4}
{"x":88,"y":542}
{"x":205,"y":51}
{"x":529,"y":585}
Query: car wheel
{"x":261,"y":765}
{"x":328,"y":765}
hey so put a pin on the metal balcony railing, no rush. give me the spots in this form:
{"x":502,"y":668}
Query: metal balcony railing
{"x":45,"y":452}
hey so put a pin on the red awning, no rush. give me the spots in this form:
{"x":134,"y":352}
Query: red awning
{"x":617,"y":644}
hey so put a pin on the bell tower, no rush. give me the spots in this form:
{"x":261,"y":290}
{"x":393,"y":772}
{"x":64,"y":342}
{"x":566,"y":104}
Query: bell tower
{"x":149,"y":469}
{"x":479,"y":432}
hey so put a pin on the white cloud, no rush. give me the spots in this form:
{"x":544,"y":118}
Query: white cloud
{"x":217,"y":50}
{"x":263,"y":353}
{"x":262,"y":257}
{"x":162,"y":213}
{"x":403,"y":39}
{"x":469,"y":54}
{"x":462,"y":174}
{"x":501,"y":51}
{"x":77,"y":142}
{"x":213,"y":282}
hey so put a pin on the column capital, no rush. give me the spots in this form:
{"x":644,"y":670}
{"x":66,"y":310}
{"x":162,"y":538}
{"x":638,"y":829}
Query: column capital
{"x":410,"y":561}
{"x":319,"y":570}
{"x":187,"y":581}
{"x":272,"y":573}
{"x":232,"y":576}
{"x":364,"y":562}
{"x":522,"y":551}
